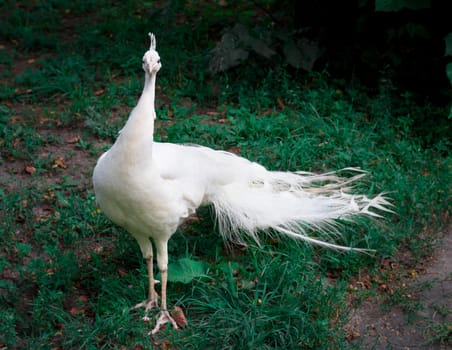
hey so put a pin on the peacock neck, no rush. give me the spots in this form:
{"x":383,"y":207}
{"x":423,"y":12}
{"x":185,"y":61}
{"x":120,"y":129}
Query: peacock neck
{"x":148,"y":95}
{"x":136,"y":138}
{"x":141,"y":120}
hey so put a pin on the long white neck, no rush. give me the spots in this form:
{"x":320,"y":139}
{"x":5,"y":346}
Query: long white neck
{"x":136,"y":137}
{"x":148,"y":95}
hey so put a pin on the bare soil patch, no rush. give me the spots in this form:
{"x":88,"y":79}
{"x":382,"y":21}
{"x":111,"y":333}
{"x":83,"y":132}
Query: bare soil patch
{"x":375,"y":325}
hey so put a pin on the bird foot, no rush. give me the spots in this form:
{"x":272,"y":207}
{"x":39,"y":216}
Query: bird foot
{"x":148,"y":304}
{"x":163,"y":318}
{"x":151,"y":302}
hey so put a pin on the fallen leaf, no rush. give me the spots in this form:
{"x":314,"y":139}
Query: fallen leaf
{"x":122,"y":272}
{"x":43,"y":120}
{"x":50,"y":194}
{"x":352,"y":335}
{"x":20,"y":218}
{"x":29,"y":169}
{"x":179,"y":317}
{"x":167,"y":345}
{"x":235,"y":150}
{"x":281,"y":104}
{"x":98,"y":249}
{"x":164,"y":344}
{"x":99,"y":92}
{"x":74,"y":139}
{"x":43,"y":212}
{"x":59,"y":163}
{"x":74,"y":311}
{"x":83,"y":299}
{"x":383,"y":287}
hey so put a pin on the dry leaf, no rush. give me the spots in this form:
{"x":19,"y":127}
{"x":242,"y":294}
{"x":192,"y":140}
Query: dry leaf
{"x":20,"y":218}
{"x":352,"y":335}
{"x":74,"y":139}
{"x":122,"y":272}
{"x":235,"y":150}
{"x":83,"y":299}
{"x":167,"y":345}
{"x":74,"y":311}
{"x":29,"y":169}
{"x":281,"y":104}
{"x":179,"y":317}
{"x":43,"y":120}
{"x":98,"y":249}
{"x":59,"y":163}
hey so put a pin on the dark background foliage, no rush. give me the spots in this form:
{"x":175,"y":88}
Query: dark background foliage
{"x":398,"y":45}
{"x":359,"y":41}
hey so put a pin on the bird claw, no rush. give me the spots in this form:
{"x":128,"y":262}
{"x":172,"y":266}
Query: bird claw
{"x":163,"y":318}
{"x":148,"y":304}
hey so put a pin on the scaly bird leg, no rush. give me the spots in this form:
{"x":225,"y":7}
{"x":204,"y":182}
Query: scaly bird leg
{"x":164,"y":315}
{"x":152,"y":300}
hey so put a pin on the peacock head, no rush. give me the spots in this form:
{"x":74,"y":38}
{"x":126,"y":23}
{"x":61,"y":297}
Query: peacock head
{"x":151,"y":59}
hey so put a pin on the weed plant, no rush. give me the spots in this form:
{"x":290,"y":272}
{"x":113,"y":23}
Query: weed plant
{"x":68,"y":276}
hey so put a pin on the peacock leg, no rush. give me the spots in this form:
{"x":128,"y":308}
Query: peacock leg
{"x":152,"y":300}
{"x":164,"y":315}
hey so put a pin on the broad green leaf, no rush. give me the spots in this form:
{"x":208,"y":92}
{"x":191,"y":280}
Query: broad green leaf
{"x":185,"y":270}
{"x":397,"y":5}
{"x":448,"y":41}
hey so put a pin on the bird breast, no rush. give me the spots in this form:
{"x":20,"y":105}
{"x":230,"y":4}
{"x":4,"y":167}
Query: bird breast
{"x":137,"y":199}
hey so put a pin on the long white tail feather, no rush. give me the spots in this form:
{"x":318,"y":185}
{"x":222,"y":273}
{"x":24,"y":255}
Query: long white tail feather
{"x":288,"y":203}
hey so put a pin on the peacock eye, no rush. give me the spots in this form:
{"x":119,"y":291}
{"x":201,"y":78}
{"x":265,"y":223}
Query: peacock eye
{"x":158,"y":61}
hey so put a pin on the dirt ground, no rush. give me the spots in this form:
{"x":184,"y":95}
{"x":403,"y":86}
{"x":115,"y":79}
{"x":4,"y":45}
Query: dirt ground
{"x":376,"y":326}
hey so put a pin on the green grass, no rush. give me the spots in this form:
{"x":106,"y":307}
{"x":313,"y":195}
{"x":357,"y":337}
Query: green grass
{"x":69,"y":276}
